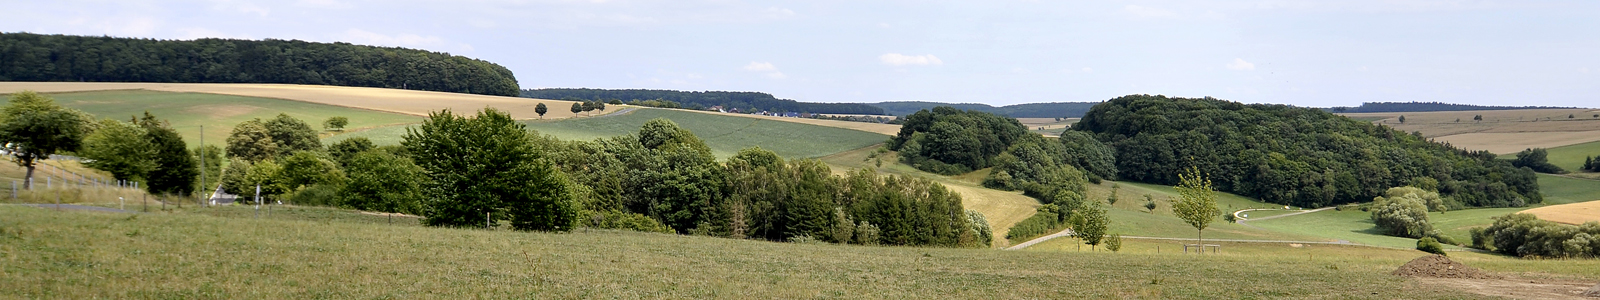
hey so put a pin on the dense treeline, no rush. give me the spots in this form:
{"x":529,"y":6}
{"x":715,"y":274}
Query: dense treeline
{"x":1025,"y":110}
{"x":1372,"y":107}
{"x":1538,"y":160}
{"x":34,"y":57}
{"x":668,"y":175}
{"x":1295,"y":156}
{"x":950,"y":141}
{"x":1525,"y":235}
{"x":744,"y":101}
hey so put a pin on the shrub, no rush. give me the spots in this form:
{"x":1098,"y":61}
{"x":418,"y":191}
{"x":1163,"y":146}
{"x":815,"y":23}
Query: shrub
{"x":867,"y":234}
{"x":1403,"y":213}
{"x":1043,"y":221}
{"x":317,"y":194}
{"x":624,"y":221}
{"x":1526,"y":235}
{"x":1114,"y":242}
{"x":1429,"y":245}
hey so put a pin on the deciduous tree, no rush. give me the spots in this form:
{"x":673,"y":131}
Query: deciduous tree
{"x":33,"y":127}
{"x":487,"y":164}
{"x":1197,"y":202}
{"x":336,"y":123}
{"x":119,"y":148}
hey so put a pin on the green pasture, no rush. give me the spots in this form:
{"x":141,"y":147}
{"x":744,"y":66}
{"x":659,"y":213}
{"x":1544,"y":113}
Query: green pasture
{"x":1563,"y":190}
{"x":222,"y":252}
{"x":1570,"y":157}
{"x":725,"y":134}
{"x":186,"y":112}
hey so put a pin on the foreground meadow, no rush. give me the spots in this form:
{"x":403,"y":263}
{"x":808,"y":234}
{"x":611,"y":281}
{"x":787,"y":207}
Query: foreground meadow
{"x":221,"y":252}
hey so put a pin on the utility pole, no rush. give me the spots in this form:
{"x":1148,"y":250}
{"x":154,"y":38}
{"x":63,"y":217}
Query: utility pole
{"x":258,"y":201}
{"x":203,"y":166}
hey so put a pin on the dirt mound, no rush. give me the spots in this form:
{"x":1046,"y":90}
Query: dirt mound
{"x":1438,"y":266}
{"x":1592,"y":292}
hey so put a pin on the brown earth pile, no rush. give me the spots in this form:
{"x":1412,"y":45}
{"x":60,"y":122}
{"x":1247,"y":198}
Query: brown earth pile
{"x":1439,"y":266}
{"x":1593,"y":292}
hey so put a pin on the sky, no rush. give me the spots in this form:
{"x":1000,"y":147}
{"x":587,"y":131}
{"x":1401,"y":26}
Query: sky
{"x":998,"y":52}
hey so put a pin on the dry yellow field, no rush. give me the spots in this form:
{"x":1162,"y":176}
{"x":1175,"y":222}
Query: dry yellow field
{"x":1575,"y":213}
{"x":380,"y":99}
{"x":1501,"y":131}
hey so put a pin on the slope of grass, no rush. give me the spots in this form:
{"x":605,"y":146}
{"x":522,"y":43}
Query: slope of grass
{"x":219,"y":113}
{"x":725,"y":134}
{"x":1571,"y":157}
{"x":192,"y":255}
{"x":1563,"y":190}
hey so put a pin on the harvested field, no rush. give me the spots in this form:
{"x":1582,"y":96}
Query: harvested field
{"x":1511,"y":142}
{"x":1500,"y":131}
{"x":409,"y":102}
{"x":1575,"y":213}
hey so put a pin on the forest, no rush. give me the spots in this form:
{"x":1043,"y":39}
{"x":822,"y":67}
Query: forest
{"x":1025,"y":110}
{"x":1294,"y":156}
{"x":35,"y":57}
{"x":744,"y":101}
{"x":1376,"y":107}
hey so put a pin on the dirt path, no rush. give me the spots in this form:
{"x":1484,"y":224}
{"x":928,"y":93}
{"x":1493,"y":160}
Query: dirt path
{"x":1243,"y":219}
{"x":1064,"y":233}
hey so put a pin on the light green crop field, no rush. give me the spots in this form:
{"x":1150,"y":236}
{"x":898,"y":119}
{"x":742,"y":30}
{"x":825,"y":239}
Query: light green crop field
{"x":725,"y":134}
{"x":1571,"y":157}
{"x":1563,"y":190}
{"x":191,"y":253}
{"x":219,"y":113}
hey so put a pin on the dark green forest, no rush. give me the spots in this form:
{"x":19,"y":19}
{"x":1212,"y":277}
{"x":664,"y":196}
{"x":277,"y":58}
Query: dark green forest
{"x":744,"y":101}
{"x":1025,"y":110}
{"x":35,"y":57}
{"x":951,"y":141}
{"x":1367,"y":107}
{"x":1295,"y":156}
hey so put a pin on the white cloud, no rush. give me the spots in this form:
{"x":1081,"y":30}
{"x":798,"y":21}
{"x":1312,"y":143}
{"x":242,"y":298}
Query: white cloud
{"x":358,"y":36}
{"x":779,"y":12}
{"x":1241,"y":65}
{"x":1088,"y":70}
{"x":1585,"y":70}
{"x":239,"y":7}
{"x":324,"y":4}
{"x":897,"y":59}
{"x":1148,"y":12}
{"x":767,"y":67}
{"x":760,"y":66}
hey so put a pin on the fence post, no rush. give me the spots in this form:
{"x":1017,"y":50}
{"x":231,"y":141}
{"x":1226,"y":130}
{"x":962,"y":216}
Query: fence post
{"x":13,"y":190}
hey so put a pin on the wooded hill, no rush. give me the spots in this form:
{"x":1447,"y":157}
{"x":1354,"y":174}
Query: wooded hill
{"x":1295,"y":156}
{"x":1025,"y":110}
{"x":1372,"y":107}
{"x":35,"y":57}
{"x":744,"y":101}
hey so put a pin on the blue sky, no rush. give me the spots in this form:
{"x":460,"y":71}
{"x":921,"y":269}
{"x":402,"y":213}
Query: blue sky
{"x":1309,"y":53}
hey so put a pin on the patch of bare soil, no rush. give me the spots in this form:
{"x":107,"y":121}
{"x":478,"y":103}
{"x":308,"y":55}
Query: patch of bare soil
{"x":1440,"y":271}
{"x":1592,"y":292}
{"x":1439,"y":266}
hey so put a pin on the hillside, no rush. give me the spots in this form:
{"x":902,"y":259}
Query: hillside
{"x":1380,"y":107}
{"x":743,"y":101}
{"x":34,"y":57}
{"x":410,"y":102}
{"x":1025,"y":110}
{"x":726,"y":134}
{"x":1499,"y":131}
{"x":1293,"y":156}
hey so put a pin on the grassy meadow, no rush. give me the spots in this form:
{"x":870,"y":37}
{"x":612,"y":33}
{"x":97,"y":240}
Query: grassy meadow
{"x":725,"y":134}
{"x":186,"y":112}
{"x":221,"y":252}
{"x":1571,"y":157}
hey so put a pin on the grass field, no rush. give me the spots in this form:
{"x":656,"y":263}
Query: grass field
{"x":193,"y":253}
{"x":219,"y":113}
{"x":1570,"y":157}
{"x":725,"y":134}
{"x":1563,"y":190}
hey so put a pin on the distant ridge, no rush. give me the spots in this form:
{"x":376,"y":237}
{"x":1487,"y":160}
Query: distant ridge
{"x":744,"y":101}
{"x":1379,"y":107}
{"x":1025,"y":110}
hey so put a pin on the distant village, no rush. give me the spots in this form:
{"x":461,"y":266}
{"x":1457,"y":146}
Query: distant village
{"x":852,"y":118}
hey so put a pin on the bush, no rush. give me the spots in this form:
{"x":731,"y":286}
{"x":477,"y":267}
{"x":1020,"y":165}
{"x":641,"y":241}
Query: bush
{"x":1525,"y":235}
{"x":1043,"y":221}
{"x":1429,"y":245}
{"x":623,"y":220}
{"x":1114,"y":242}
{"x":1403,"y":213}
{"x":318,"y":195}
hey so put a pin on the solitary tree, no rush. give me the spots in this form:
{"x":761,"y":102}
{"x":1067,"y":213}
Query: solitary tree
{"x":541,"y":109}
{"x":1197,"y":202}
{"x":600,"y":105}
{"x":1092,"y":223}
{"x":1477,"y":118}
{"x":336,"y":123}
{"x":577,"y":107}
{"x":1402,"y":119}
{"x":1149,"y":203}
{"x":33,"y":127}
